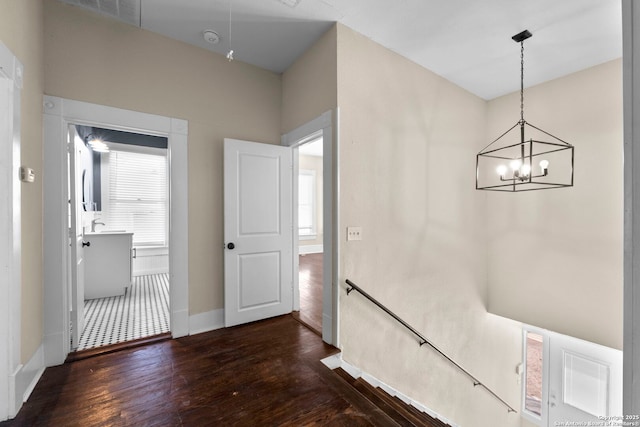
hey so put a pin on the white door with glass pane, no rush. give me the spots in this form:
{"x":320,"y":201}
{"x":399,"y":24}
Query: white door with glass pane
{"x":585,"y":381}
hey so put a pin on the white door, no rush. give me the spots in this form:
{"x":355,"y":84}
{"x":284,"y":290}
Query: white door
{"x":76,"y":146}
{"x":585,"y":381}
{"x":258,"y":260}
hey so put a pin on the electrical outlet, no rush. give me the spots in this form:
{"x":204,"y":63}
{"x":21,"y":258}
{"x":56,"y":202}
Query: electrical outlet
{"x":354,"y":233}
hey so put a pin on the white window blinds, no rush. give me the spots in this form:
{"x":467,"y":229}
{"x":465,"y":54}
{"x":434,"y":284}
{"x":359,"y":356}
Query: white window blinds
{"x":137,"y":195}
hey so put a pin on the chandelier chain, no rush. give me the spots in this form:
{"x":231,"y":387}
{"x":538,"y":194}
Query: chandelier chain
{"x":522,"y":81}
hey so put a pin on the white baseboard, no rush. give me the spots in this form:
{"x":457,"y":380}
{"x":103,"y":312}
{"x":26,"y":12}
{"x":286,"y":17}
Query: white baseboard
{"x":54,"y":351}
{"x":310,"y":249}
{"x":25,"y":379}
{"x":205,"y":322}
{"x":336,"y":361}
{"x":179,"y":323}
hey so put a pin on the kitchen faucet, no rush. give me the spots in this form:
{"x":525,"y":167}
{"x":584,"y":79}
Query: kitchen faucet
{"x":94,"y":222}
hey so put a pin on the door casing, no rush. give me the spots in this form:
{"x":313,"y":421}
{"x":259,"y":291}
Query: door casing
{"x":325,"y":125}
{"x":11,"y":72}
{"x":59,"y":113}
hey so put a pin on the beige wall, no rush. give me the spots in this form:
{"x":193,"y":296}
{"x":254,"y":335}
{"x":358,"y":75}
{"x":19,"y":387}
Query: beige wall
{"x":98,"y":60}
{"x":309,"y":85}
{"x":408,"y":140}
{"x":21,"y":32}
{"x":555,"y":257}
{"x":314,"y":163}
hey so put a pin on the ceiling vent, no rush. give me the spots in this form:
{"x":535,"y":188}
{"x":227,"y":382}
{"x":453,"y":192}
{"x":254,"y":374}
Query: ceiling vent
{"x":123,"y":10}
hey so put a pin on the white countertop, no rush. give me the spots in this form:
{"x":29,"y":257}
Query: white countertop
{"x":107,"y":233}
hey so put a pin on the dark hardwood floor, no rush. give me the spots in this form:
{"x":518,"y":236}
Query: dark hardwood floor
{"x":311,"y":291}
{"x":265,"y":373}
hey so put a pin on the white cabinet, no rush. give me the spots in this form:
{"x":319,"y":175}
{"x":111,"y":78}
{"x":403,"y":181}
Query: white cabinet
{"x":107,"y":264}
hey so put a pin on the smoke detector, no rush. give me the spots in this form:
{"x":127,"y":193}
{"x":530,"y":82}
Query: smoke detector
{"x":211,"y":36}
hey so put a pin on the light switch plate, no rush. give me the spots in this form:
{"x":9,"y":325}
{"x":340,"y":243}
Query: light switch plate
{"x":27,"y":174}
{"x":354,"y":233}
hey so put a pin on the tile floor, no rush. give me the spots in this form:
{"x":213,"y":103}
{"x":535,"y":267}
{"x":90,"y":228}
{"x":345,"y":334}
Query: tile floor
{"x":142,"y":312}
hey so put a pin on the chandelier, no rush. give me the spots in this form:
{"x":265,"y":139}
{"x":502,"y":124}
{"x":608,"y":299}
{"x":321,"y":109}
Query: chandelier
{"x":540,"y":162}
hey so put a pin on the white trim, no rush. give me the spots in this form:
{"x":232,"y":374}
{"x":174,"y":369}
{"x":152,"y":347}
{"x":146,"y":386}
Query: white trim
{"x":28,"y":375}
{"x":310,"y":249}
{"x":321,"y":126}
{"x":11,"y":71}
{"x":631,"y":114}
{"x":304,"y":237}
{"x":58,"y":114}
{"x":207,"y":321}
{"x":335,"y":285}
{"x":336,"y":361}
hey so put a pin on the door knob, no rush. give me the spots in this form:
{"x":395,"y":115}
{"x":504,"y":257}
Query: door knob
{"x":231,"y":245}
{"x":86,"y":244}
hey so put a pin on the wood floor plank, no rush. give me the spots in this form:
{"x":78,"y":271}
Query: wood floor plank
{"x":264,"y":373}
{"x":310,"y":285}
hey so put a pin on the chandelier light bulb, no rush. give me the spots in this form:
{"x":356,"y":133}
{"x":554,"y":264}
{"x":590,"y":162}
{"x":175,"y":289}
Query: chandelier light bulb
{"x":544,"y":165}
{"x":502,"y":170}
{"x":515,"y":164}
{"x":525,"y":170}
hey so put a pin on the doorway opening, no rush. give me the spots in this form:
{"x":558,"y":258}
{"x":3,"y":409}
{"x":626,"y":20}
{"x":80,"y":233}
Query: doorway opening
{"x":59,"y":113}
{"x":119,"y":211}
{"x":323,"y":128}
{"x":310,"y":232}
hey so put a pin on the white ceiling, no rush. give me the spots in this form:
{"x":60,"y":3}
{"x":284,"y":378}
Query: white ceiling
{"x":465,"y":41}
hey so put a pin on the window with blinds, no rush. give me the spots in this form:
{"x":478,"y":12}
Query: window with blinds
{"x":138,"y":194}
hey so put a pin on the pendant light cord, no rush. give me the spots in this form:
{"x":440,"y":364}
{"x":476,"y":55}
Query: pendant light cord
{"x":230,"y":53}
{"x":522,"y":81}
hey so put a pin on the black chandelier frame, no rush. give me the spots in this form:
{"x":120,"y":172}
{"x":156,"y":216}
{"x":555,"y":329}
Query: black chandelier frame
{"x":525,"y":151}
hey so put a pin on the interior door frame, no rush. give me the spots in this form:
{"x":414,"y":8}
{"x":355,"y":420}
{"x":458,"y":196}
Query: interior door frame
{"x":59,"y":113}
{"x":12,"y":391}
{"x":325,"y":125}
